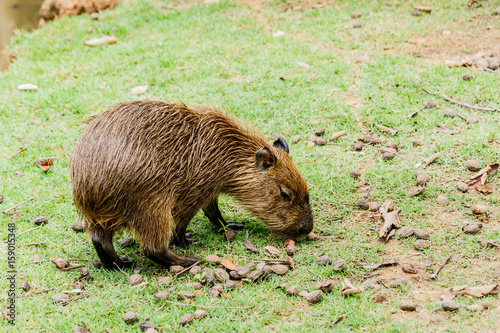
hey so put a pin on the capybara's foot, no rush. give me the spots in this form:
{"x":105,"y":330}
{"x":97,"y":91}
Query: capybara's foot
{"x":232,"y":225}
{"x":181,"y":240}
{"x":168,"y":258}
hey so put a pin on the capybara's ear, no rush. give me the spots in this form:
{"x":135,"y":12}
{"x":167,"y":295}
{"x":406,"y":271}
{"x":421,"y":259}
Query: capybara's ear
{"x":264,"y":159}
{"x":281,"y":145}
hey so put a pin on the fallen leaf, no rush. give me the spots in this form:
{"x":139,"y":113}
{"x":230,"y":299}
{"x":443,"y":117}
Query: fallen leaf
{"x":229,"y":264}
{"x":382,"y":264}
{"x":250,"y":246}
{"x":476,"y":291}
{"x":349,"y":289}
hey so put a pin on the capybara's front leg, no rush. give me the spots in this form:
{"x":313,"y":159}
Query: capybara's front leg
{"x":213,"y":213}
{"x":103,"y":243}
{"x":168,"y":258}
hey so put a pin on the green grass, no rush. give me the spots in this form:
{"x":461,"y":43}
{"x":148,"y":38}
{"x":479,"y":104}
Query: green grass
{"x":225,"y":55}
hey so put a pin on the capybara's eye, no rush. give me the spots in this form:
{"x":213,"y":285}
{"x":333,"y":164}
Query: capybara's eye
{"x":284,"y":195}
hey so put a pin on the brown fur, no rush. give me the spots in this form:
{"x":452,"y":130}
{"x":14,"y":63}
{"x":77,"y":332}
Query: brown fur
{"x":150,"y":166}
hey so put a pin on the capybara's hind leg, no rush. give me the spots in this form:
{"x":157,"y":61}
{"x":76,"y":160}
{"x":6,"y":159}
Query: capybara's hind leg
{"x":180,"y":238}
{"x":103,"y":243}
{"x":168,"y":258}
{"x":214,"y":215}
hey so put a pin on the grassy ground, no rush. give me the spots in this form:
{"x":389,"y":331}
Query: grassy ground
{"x":224,"y":54}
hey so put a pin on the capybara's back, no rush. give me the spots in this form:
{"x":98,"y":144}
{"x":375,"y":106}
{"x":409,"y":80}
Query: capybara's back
{"x":150,"y":166}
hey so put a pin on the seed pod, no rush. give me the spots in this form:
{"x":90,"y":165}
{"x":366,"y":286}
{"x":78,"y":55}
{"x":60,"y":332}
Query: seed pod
{"x":312,"y":138}
{"x":409,"y":268}
{"x":60,"y":263}
{"x":363,"y":204}
{"x":421,"y":244}
{"x":267,"y":269}
{"x":78,"y":226}
{"x":213,"y":259}
{"x":292,"y":291}
{"x":195,"y":270}
{"x":272,"y":251}
{"x":185,"y":295}
{"x":449,"y":113}
{"x":479,"y":209}
{"x":230,"y":284}
{"x":213,"y":292}
{"x":254,"y":275}
{"x":40,"y":220}
{"x":323,"y":260}
{"x":130,"y":317}
{"x":442,"y":200}
{"x":291,"y":250}
{"x":472,"y":120}
{"x":186,"y":319}
{"x":473,"y":165}
{"x":462,"y":187}
{"x":467,"y":76}
{"x":355,"y":173}
{"x":421,"y":234}
{"x":387,"y":156}
{"x":374,"y":206}
{"x":199,"y":314}
{"x":164,"y":281}
{"x":407,"y":306}
{"x":337,"y":135}
{"x":97,"y":263}
{"x":234,"y":275}
{"x":296,"y":138}
{"x":319,"y":132}
{"x":25,"y":286}
{"x":472,"y":228}
{"x":310,"y":144}
{"x":221,"y":275}
{"x":176,"y":269}
{"x":280,"y":269}
{"x":405,"y":232}
{"x":243,"y":271}
{"x":339,"y":265}
{"x":134,"y":279}
{"x":399,"y":282}
{"x":358,"y":145}
{"x":209,"y":275}
{"x":146,"y":325}
{"x":314,"y":296}
{"x":311,"y":236}
{"x":127,"y":242}
{"x":429,"y":105}
{"x":162,"y":295}
{"x":320,"y":141}
{"x":449,"y":305}
{"x":78,"y":285}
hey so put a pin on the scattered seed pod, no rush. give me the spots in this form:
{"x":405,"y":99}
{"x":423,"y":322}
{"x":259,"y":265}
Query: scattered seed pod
{"x":472,"y":227}
{"x":254,"y":275}
{"x":25,"y":286}
{"x":421,"y":234}
{"x":387,"y":156}
{"x":405,"y":232}
{"x":130,"y":317}
{"x":479,"y":209}
{"x":78,"y":226}
{"x":467,"y":76}
{"x":462,"y":187}
{"x":363,"y":203}
{"x":326,"y":286}
{"x":195,"y":285}
{"x":214,"y":259}
{"x":323,"y":260}
{"x":415,"y":12}
{"x":407,"y":306}
{"x":449,"y":113}
{"x":472,"y":120}
{"x":79,"y":330}
{"x":234,"y":275}
{"x":421,"y":244}
{"x":380,"y":298}
{"x":200,"y":314}
{"x":291,"y":250}
{"x":186,"y":319}
{"x":399,"y":282}
{"x":40,"y":220}
{"x":358,"y":145}
{"x":185,"y":295}
{"x":271,"y":251}
{"x":319,"y":132}
{"x":422,"y":177}
{"x":355,"y":15}
{"x":357,"y":24}
{"x":473,"y":165}
{"x":429,"y":105}
{"x":243,"y":271}
{"x":231,"y":284}
{"x":195,"y":270}
{"x":162,"y":295}
{"x":479,"y":306}
{"x":442,"y":200}
{"x":230,"y":235}
{"x":267,"y":269}
{"x":449,"y":305}
{"x":213,"y":292}
{"x":417,"y":142}
{"x":165,"y":281}
{"x":60,"y":263}
{"x":221,"y":275}
{"x":392,"y":145}
{"x":312,"y":138}
{"x":97,"y":263}
{"x":310,"y":144}
{"x":321,"y":141}
{"x":134,"y":279}
{"x":296,"y":138}
{"x":355,"y":173}
{"x":78,"y":285}
{"x":280,"y":269}
{"x":127,"y":241}
{"x":261,"y":266}
{"x":291,"y":291}
{"x":314,"y":296}
{"x":409,"y":268}
{"x":337,"y":135}
{"x":145,"y":325}
{"x":176,"y":269}
{"x":373,"y":206}
{"x":339,"y":265}
{"x":311,"y":236}
{"x":58,"y":298}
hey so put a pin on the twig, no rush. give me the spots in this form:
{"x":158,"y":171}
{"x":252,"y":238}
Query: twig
{"x":64,"y":303}
{"x":19,"y":204}
{"x":306,"y":161}
{"x":467,"y":105}
{"x":210,"y":307}
{"x":71,"y":267}
{"x":35,"y":244}
{"x":22,"y":233}
{"x":155,"y":311}
{"x":114,"y":263}
{"x":15,"y":153}
{"x":434,"y":275}
{"x":187,"y":268}
{"x":47,"y":260}
{"x":36,"y":293}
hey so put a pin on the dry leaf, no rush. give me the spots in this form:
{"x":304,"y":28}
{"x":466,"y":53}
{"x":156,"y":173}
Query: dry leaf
{"x":229,"y":264}
{"x":476,"y":291}
{"x":349,"y":289}
{"x":272,"y":251}
{"x":249,"y":245}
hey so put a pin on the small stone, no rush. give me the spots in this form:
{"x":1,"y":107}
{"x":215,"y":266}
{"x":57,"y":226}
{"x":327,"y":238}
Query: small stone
{"x":461,"y":186}
{"x":296,"y":138}
{"x":319,"y":132}
{"x":145,"y":325}
{"x":186,"y":319}
{"x":429,"y":105}
{"x":221,"y":274}
{"x":165,"y":281}
{"x":442,"y":200}
{"x":449,"y":305}
{"x":358,"y":145}
{"x":415,"y":12}
{"x":493,"y":63}
{"x":130,"y":317}
{"x":90,"y":30}
{"x":25,"y":286}
{"x":127,"y":242}
{"x":339,"y":265}
{"x":355,"y":15}
{"x":422,"y":178}
{"x":421,"y":234}
{"x":185,"y":295}
{"x":320,"y":141}
{"x":275,"y":136}
{"x":467,"y":76}
{"x":58,"y":298}
{"x":357,"y":24}
{"x":323,"y":260}
{"x":134,"y":279}
{"x":481,"y":63}
{"x":280,"y":269}
{"x":387,"y":156}
{"x":449,"y":113}
{"x":407,"y":306}
{"x":472,"y":120}
{"x":97,"y":263}
{"x":162,"y":295}
{"x":291,"y":291}
{"x":94,"y":16}
{"x":195,"y":270}
{"x":355,"y":173}
{"x":409,"y":268}
{"x":312,"y":138}
{"x":78,"y":226}
{"x":421,"y":244}
{"x":405,"y":232}
{"x":417,"y":142}
{"x":479,"y":306}
{"x":472,"y":228}
{"x":399,"y":282}
{"x":231,"y":284}
{"x":291,"y":250}
{"x":314,"y":296}
{"x":214,"y":259}
{"x":473,"y":165}
{"x":479,"y":209}
{"x":176,"y":269}
{"x":40,"y":220}
{"x":200,"y":314}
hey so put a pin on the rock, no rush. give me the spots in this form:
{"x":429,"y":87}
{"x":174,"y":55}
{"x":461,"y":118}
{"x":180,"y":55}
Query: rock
{"x":323,"y":260}
{"x":405,"y":232}
{"x":409,"y":268}
{"x":58,"y":298}
{"x":421,"y":234}
{"x":422,"y":177}
{"x":25,"y":286}
{"x":481,"y":63}
{"x":186,"y":319}
{"x":462,"y":187}
{"x":162,"y":295}
{"x":199,"y":314}
{"x":127,"y":242}
{"x":449,"y":305}
{"x":429,"y":105}
{"x":291,"y":291}
{"x":40,"y":220}
{"x":310,"y":144}
{"x":185,"y":295}
{"x":449,"y":113}
{"x":165,"y":281}
{"x":320,"y":141}
{"x":60,"y":263}
{"x":493,"y":63}
{"x":78,"y":226}
{"x":373,"y":206}
{"x":272,"y":251}
{"x":214,"y":259}
{"x":472,"y":227}
{"x":78,"y":285}
{"x":134,"y":279}
{"x":314,"y":296}
{"x":407,"y":306}
{"x":339,"y":265}
{"x":479,"y":209}
{"x":472,"y":120}
{"x":54,"y":9}
{"x":387,"y":156}
{"x":421,"y":244}
{"x":363,"y":203}
{"x":442,"y":200}
{"x":467,"y":76}
{"x":296,"y":138}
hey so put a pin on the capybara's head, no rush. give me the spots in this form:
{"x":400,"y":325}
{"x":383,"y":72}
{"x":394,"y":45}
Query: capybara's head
{"x":280,"y":196}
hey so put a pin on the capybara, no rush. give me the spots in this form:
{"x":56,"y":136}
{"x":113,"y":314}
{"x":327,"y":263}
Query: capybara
{"x":151,"y":166}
